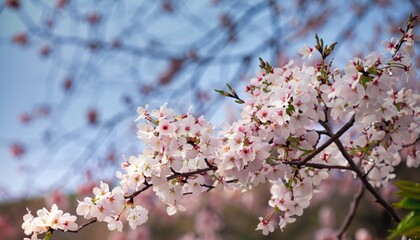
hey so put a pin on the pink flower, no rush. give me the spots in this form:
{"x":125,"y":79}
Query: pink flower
{"x":137,"y":216}
{"x":390,"y":46}
{"x":306,"y":52}
{"x":46,"y":220}
{"x":265,"y":226}
{"x":166,"y":128}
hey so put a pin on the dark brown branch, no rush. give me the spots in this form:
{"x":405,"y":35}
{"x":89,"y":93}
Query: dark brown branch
{"x":173,"y":171}
{"x":133,"y":195}
{"x":148,"y":185}
{"x":362,"y":177}
{"x":83,"y":225}
{"x":331,"y":140}
{"x":209,"y":187}
{"x":317,"y":165}
{"x":232,"y":181}
{"x":322,"y":132}
{"x":411,"y":144}
{"x":351,"y":213}
{"x":187,"y":174}
{"x":177,"y":175}
{"x":208,"y":163}
{"x":368,"y":186}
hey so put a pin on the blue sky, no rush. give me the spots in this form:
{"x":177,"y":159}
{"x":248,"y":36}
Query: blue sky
{"x":27,"y":80}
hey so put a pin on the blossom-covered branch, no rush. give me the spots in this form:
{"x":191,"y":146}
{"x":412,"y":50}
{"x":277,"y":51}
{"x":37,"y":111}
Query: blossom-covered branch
{"x":276,"y":140}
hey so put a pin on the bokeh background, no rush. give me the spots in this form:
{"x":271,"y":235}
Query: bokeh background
{"x":72,"y":73}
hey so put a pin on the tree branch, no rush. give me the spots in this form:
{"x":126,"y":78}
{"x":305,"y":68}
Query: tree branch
{"x":318,"y":165}
{"x":411,"y":144}
{"x":177,"y":175}
{"x":148,"y":185}
{"x":362,"y":177}
{"x":351,"y":213}
{"x":329,"y":141}
{"x":82,"y":226}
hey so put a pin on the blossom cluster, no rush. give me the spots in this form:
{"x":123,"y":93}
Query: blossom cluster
{"x":288,"y":105}
{"x":112,"y":207}
{"x":285,"y":137}
{"x":386,"y":119}
{"x":47,"y":221}
{"x":175,"y":147}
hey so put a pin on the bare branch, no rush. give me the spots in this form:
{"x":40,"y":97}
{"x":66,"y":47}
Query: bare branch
{"x":351,"y":213}
{"x":322,"y":132}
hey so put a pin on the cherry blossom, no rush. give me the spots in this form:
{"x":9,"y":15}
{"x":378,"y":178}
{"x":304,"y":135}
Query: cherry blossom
{"x":286,"y":136}
{"x":265,"y":226}
{"x":306,"y":52}
{"x":47,"y":221}
{"x":137,"y":216}
{"x":390,"y":46}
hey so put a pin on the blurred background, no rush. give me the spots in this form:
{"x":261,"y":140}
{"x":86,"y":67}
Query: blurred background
{"x":72,"y":73}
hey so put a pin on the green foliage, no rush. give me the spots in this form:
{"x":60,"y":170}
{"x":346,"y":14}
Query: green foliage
{"x":264,"y":65}
{"x":290,"y":109}
{"x":410,"y":224}
{"x":48,"y":235}
{"x":324,"y":50}
{"x":364,"y":80}
{"x":231,"y":94}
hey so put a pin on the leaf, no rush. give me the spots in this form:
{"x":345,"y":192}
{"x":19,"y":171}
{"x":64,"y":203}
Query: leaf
{"x":408,"y":203}
{"x":364,"y":80}
{"x":398,"y":106}
{"x":408,"y":195}
{"x":332,"y":46}
{"x":264,"y":65}
{"x":331,"y":62}
{"x":290,"y":110}
{"x":408,"y":186}
{"x":230,"y":87}
{"x":226,"y":94}
{"x":409,"y":226}
{"x":48,"y":236}
{"x":232,"y":94}
{"x":408,"y":189}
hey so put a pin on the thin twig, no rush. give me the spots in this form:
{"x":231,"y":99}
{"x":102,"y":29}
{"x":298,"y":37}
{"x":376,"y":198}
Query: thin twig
{"x":351,"y":213}
{"x":83,"y":225}
{"x":317,"y":165}
{"x":148,"y":185}
{"x":177,"y":175}
{"x":187,"y":174}
{"x":411,"y":144}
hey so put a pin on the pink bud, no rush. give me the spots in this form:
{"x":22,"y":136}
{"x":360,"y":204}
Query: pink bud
{"x":21,"y":39}
{"x":17,"y":150}
{"x":93,"y":18}
{"x":25,"y":118}
{"x":14,"y":4}
{"x":92,"y":116}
